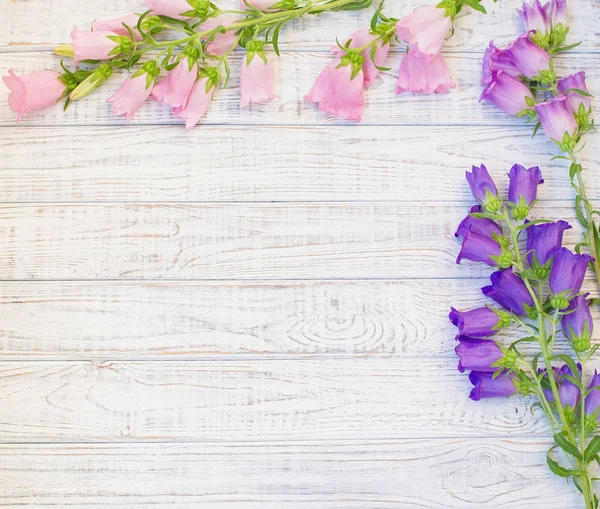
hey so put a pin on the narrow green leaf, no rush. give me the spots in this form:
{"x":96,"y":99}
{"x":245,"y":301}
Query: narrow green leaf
{"x":556,"y":468}
{"x":565,"y":445}
{"x":592,"y":449}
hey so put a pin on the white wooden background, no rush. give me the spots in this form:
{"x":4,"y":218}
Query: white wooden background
{"x":253,"y":314}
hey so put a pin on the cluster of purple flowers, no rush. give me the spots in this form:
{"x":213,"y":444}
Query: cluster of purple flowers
{"x":546,"y":261}
{"x":511,"y":76}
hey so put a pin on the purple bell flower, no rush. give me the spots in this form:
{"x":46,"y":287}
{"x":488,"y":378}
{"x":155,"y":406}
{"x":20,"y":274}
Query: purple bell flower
{"x":528,"y":57}
{"x":478,"y":225}
{"x":535,"y":17}
{"x":577,"y":324}
{"x":568,"y":392}
{"x":592,"y":400}
{"x":507,"y":93}
{"x":479,"y":248}
{"x":483,"y":188}
{"x":544,"y":239}
{"x":574,"y":99}
{"x":495,"y":61}
{"x":557,"y":12}
{"x":480,"y":322}
{"x":485,"y":386}
{"x":524,"y":183}
{"x":508,"y":290}
{"x":568,"y":271}
{"x":477,"y":354}
{"x":557,"y":118}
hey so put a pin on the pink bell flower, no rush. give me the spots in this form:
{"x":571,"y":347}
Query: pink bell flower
{"x":171,"y":8}
{"x":256,"y":81}
{"x":423,"y":73}
{"x":335,"y":91}
{"x":198,"y":103}
{"x":131,"y":95}
{"x":361,"y":38}
{"x":92,"y":45}
{"x":425,"y":29}
{"x":33,"y":91}
{"x":116,"y":26}
{"x":223,"y":43}
{"x":175,"y":89}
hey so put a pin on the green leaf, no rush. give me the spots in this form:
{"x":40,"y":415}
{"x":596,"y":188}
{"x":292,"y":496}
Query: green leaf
{"x":556,"y":468}
{"x":276,"y":38}
{"x":592,"y":449}
{"x":579,"y":212}
{"x":565,"y":445}
{"x":475,"y":5}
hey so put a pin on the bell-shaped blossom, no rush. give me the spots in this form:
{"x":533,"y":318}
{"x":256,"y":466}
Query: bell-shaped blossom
{"x":527,"y":57}
{"x":171,"y":8}
{"x":556,"y":118}
{"x":423,"y":73}
{"x":359,"y":39}
{"x":557,"y":13}
{"x":481,"y":183}
{"x":544,"y":239}
{"x":257,"y":80}
{"x":197,"y":104}
{"x":337,"y":92}
{"x":131,"y":95}
{"x":479,"y":248}
{"x":478,"y":225}
{"x":223,"y":42}
{"x":496,"y":60}
{"x":94,"y":45}
{"x":574,"y":99}
{"x":507,"y":93}
{"x":425,"y":29}
{"x":577,"y":323}
{"x":523,"y":184}
{"x":175,"y":89}
{"x":568,"y":271}
{"x":486,"y":386}
{"x":117,"y":26}
{"x":535,"y":17}
{"x":33,"y":91}
{"x":508,"y":290}
{"x":480,"y":323}
{"x":592,"y":400}
{"x":568,"y":392}
{"x":477,"y":354}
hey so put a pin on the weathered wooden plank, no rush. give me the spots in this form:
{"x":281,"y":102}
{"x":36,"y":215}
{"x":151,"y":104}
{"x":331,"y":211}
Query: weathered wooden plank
{"x":96,"y":163}
{"x":296,"y":75}
{"x":130,"y":320}
{"x":240,"y":241}
{"x":328,"y":398}
{"x":42,"y":23}
{"x":468,"y":473}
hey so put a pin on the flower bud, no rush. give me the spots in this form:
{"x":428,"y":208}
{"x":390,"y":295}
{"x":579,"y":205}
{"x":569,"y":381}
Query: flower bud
{"x":92,"y":82}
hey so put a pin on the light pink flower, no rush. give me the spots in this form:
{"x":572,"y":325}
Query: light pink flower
{"x":197,"y":104}
{"x":423,"y":73}
{"x":116,"y":26}
{"x":171,"y":8}
{"x":425,"y":29}
{"x":335,"y":92}
{"x":175,"y":89}
{"x":223,"y":42}
{"x":359,"y":39}
{"x":130,"y":96}
{"x":92,"y":45}
{"x":261,"y":5}
{"x":33,"y":91}
{"x":256,"y":81}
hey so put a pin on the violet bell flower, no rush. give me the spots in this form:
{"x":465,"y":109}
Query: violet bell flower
{"x":544,"y":239}
{"x":486,"y":386}
{"x":481,"y":322}
{"x":509,"y":290}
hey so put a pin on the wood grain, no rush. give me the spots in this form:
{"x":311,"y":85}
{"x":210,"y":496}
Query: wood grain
{"x":160,"y":320}
{"x":240,"y":241}
{"x":296,"y":75}
{"x":440,"y":474}
{"x":38,"y":22}
{"x":264,"y":399}
{"x":365,"y":163}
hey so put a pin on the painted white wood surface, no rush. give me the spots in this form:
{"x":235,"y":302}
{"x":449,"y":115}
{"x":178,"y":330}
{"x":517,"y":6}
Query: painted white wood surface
{"x":293,"y":354}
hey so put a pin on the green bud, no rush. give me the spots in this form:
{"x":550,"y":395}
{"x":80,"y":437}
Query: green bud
{"x":92,"y":82}
{"x":567,"y":144}
{"x":542,"y":39}
{"x":152,"y":25}
{"x":558,"y":35}
{"x":505,"y":260}
{"x":353,"y":59}
{"x":547,"y":77}
{"x":492,"y":204}
{"x":200,"y":8}
{"x":64,"y":50}
{"x":559,"y":302}
{"x":504,"y":319}
{"x":582,"y":345}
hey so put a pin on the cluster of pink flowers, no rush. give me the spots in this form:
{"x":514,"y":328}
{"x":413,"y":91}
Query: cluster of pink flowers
{"x":195,"y":72}
{"x":340,"y":87}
